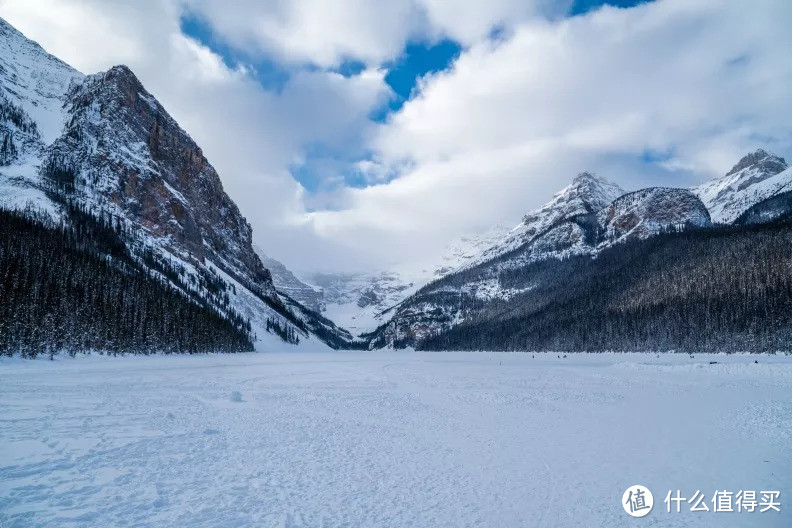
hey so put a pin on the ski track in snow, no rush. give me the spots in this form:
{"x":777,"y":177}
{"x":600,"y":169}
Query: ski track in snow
{"x":388,"y":439}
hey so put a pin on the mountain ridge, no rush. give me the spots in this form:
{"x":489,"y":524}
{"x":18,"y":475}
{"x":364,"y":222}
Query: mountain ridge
{"x":463,"y":296}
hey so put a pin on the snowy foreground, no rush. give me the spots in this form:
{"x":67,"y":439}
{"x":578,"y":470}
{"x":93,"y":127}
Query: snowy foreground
{"x":389,"y":439}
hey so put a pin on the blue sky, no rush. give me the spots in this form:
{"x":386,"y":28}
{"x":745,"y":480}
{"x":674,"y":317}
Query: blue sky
{"x":417,"y":59}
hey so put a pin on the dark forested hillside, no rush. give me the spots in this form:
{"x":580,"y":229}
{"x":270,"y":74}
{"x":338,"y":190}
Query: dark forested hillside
{"x":725,"y":289}
{"x":76,"y":288}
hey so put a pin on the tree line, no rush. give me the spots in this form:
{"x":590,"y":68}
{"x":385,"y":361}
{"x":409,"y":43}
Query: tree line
{"x":724,"y":289}
{"x":75,"y":287}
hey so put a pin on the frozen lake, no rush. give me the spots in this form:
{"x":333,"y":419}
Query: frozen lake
{"x":389,"y":439}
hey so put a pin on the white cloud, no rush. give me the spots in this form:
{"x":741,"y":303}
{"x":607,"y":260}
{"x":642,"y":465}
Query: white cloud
{"x":327,"y":33}
{"x":513,"y":121}
{"x":313,"y":31}
{"x":472,"y":21}
{"x":482,"y":143}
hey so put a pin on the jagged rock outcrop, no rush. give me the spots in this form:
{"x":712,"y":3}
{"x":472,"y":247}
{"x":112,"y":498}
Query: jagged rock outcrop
{"x":127,"y":153}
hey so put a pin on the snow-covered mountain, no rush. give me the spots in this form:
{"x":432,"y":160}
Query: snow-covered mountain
{"x":564,"y":227}
{"x":101,"y":145}
{"x":363,"y":301}
{"x":585,"y":218}
{"x":360,"y":302}
{"x":33,"y":87}
{"x":104,"y":145}
{"x":582,"y":220}
{"x":587,"y":193}
{"x":357,"y":301}
{"x":756,"y":177}
{"x":633,"y":216}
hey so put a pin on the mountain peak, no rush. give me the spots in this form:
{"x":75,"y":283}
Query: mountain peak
{"x":587,"y":192}
{"x":586,"y":176}
{"x":766,"y":162}
{"x":34,"y":82}
{"x":122,"y":70}
{"x":756,"y":177}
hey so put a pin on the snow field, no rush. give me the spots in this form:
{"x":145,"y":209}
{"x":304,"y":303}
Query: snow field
{"x":388,"y":439}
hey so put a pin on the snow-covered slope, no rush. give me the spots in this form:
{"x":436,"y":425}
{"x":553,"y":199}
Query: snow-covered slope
{"x":469,"y":248}
{"x":776,"y":207}
{"x":756,"y":177}
{"x":587,"y":193}
{"x":33,"y":86}
{"x":104,"y":145}
{"x":34,"y":81}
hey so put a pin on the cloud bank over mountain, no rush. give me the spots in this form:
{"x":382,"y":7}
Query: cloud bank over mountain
{"x":668,"y":92}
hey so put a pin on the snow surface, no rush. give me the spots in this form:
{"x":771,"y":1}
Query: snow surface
{"x":34,"y":80}
{"x":19,"y":189}
{"x":388,"y":439}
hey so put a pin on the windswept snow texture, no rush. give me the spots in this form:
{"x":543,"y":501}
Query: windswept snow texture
{"x":389,"y":439}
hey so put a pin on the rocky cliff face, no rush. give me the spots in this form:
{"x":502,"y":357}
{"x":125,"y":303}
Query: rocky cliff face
{"x":128,"y":154}
{"x":647,"y":212}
